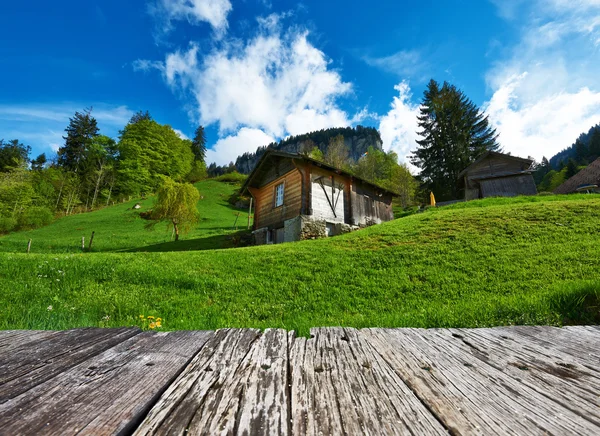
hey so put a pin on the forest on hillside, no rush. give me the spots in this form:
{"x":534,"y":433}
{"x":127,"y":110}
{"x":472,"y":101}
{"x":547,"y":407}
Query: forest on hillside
{"x":549,"y":174}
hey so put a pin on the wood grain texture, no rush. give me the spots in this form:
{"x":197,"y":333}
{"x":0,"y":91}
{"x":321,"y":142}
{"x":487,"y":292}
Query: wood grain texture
{"x":33,"y":362}
{"x":266,"y":215}
{"x":196,"y":394}
{"x":10,"y":339}
{"x":341,"y":385}
{"x":468,"y":394}
{"x":106,"y":394}
{"x":552,"y":374}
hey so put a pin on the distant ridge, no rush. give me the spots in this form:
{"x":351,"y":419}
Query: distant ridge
{"x":358,"y":140}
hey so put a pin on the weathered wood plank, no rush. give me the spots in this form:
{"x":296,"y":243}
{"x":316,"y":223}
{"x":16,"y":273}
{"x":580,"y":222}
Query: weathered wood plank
{"x":565,"y":341}
{"x":341,"y":385}
{"x":254,"y":400}
{"x":551,"y":374}
{"x":468,"y":395}
{"x":10,"y":339}
{"x":34,"y":362}
{"x":200,"y":384}
{"x":106,"y":394}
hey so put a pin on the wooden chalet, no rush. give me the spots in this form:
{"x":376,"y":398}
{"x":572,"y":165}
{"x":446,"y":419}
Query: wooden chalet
{"x":586,"y":180}
{"x":496,"y":174}
{"x":296,"y":197}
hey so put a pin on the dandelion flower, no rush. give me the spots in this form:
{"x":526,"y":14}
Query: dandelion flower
{"x":141,"y":316}
{"x":158,"y":319}
{"x":152,"y":325}
{"x":150,"y":317}
{"x":158,"y":324}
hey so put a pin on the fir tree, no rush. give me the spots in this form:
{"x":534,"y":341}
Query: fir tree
{"x":595,"y":144}
{"x":81,"y":131}
{"x":199,"y":144}
{"x":454,"y":133}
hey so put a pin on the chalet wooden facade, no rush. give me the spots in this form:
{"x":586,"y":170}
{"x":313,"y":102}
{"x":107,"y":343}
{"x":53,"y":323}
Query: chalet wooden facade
{"x":296,"y":198}
{"x":496,"y":174}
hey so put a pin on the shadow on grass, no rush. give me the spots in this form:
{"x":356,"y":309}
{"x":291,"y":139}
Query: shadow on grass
{"x":231,"y":240}
{"x":578,"y":303}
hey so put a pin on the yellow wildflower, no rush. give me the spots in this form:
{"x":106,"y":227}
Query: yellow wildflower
{"x":158,"y":324}
{"x":152,"y":325}
{"x":150,"y":317}
{"x":158,"y":319}
{"x":141,"y":316}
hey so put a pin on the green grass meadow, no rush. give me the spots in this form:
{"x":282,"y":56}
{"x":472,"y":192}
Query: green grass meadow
{"x":529,"y":260}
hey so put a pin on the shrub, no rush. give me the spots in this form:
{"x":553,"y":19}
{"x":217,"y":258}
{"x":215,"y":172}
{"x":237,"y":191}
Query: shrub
{"x":233,"y":177}
{"x":34,"y":217}
{"x":7,"y":223}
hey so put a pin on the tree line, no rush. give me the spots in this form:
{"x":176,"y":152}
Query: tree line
{"x":92,"y":170}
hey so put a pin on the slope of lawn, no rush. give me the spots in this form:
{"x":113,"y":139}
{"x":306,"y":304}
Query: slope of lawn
{"x":482,"y":264}
{"x":120,"y":227}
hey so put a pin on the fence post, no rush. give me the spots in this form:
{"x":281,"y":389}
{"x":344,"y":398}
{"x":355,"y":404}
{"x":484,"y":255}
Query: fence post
{"x":91,"y":241}
{"x":28,"y":246}
{"x":83,"y":243}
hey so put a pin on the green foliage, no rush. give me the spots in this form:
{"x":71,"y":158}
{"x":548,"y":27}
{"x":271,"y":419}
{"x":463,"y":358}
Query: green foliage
{"x":316,"y":154}
{"x":13,"y":154}
{"x":595,"y":144}
{"x":571,"y":169}
{"x":552,"y":180}
{"x":147,"y":151}
{"x":176,"y":202}
{"x":454,"y":133}
{"x":81,"y":131}
{"x":233,"y":177}
{"x":34,"y":217}
{"x":199,"y":144}
{"x":383,"y":169}
{"x":337,"y":153}
{"x":198,"y":172}
{"x":505,"y":261}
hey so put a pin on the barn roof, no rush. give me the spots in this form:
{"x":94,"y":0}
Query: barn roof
{"x":590,"y":175}
{"x":275,"y":153}
{"x":490,"y":153}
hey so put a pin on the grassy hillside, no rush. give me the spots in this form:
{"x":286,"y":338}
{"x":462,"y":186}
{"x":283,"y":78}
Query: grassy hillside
{"x":120,"y":228}
{"x":492,"y":262}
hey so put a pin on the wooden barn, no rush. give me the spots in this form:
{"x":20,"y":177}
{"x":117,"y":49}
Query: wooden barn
{"x":586,"y":180}
{"x":297,"y":198}
{"x":496,"y":174}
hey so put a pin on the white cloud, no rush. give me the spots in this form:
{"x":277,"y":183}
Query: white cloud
{"x":547,"y":91}
{"x":181,"y":134}
{"x":228,"y":149}
{"x":42,"y":125}
{"x":399,"y":127}
{"x":277,"y":83}
{"x":194,"y":12}
{"x":404,"y":63}
{"x":543,"y":127}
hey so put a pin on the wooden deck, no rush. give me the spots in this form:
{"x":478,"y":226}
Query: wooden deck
{"x":512,"y":380}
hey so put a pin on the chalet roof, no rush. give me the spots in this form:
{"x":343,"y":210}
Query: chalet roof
{"x":490,"y":153}
{"x":275,"y":153}
{"x":590,"y":175}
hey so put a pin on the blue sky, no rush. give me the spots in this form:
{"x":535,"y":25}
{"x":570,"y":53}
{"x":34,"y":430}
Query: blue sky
{"x":254,"y":71}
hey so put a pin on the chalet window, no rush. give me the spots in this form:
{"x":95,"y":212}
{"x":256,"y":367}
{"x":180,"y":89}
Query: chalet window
{"x":279,"y":195}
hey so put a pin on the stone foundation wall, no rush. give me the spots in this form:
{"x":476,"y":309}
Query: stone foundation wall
{"x":260,"y":236}
{"x":311,"y":228}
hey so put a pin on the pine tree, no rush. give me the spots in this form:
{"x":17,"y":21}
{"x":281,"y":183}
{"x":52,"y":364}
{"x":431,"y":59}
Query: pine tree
{"x":581,"y":152}
{"x":595,"y":144}
{"x":571,"y":168}
{"x":81,"y":131}
{"x":199,"y":144}
{"x":454,"y":133}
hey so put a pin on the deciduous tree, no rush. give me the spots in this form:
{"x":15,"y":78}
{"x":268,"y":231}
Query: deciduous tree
{"x":176,"y":203}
